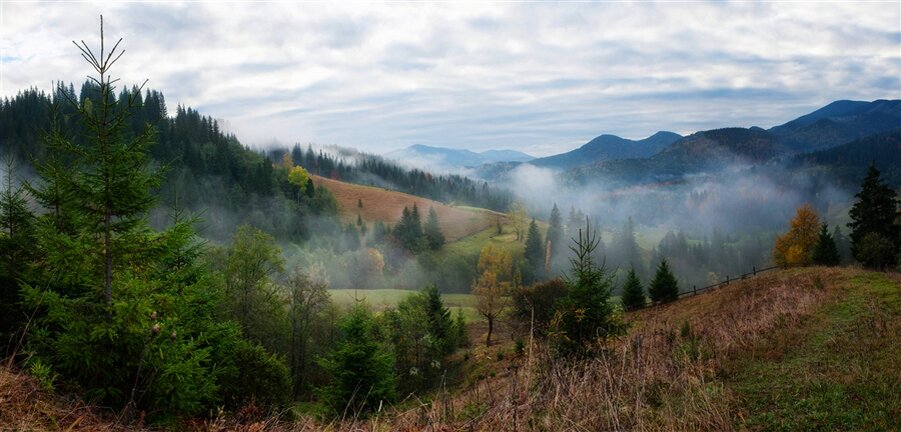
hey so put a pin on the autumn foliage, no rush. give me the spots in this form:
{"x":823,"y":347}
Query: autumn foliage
{"x":796,"y":246}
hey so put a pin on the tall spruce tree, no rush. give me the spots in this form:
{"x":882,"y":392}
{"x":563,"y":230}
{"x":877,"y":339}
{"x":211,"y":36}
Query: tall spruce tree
{"x":124,"y":315}
{"x":555,"y":236}
{"x":825,"y":252}
{"x":633,"y":293}
{"x":432,"y":231}
{"x":664,"y":287}
{"x":534,"y":251}
{"x":873,"y":215}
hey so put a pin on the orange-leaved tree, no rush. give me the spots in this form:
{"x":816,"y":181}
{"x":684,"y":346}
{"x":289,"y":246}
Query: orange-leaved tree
{"x":796,"y":246}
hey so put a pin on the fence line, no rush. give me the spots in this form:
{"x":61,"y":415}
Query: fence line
{"x":754,"y":271}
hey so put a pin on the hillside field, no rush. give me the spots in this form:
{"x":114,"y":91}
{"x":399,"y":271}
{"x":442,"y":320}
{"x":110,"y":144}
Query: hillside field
{"x":385,"y":205}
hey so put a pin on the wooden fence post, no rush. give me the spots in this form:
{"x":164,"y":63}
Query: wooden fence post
{"x":754,"y":270}
{"x":694,"y":289}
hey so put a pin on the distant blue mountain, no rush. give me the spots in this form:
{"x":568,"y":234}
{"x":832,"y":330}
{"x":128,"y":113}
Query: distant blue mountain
{"x":609,"y":147}
{"x":442,"y":158}
{"x":838,"y":123}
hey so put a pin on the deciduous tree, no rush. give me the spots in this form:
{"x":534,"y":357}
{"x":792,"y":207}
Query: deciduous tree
{"x":795,"y":247}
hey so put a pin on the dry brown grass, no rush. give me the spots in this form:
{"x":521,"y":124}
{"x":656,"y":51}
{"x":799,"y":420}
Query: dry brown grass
{"x":25,"y":406}
{"x":661,"y":376}
{"x":387,"y":206}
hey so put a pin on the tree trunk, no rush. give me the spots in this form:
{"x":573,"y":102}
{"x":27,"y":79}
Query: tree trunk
{"x":490,"y":330}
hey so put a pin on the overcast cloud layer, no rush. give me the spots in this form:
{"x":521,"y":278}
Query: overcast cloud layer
{"x":540,"y":78}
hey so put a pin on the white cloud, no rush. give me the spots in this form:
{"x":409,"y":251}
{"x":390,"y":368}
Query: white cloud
{"x":538,"y":77}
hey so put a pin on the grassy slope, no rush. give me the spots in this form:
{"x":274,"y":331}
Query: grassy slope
{"x":839,"y":370}
{"x":387,"y":206}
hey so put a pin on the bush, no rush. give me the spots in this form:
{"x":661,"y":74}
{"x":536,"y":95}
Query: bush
{"x":542,"y":297}
{"x":256,"y":376}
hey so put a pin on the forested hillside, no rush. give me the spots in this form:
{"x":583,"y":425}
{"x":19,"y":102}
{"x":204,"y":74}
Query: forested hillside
{"x":209,"y":171}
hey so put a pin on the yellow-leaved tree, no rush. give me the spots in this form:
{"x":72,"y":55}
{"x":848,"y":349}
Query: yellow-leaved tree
{"x":495,"y":283}
{"x":298,"y":176}
{"x":796,"y":246}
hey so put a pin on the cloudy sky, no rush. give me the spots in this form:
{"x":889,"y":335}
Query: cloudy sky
{"x":537,"y":77}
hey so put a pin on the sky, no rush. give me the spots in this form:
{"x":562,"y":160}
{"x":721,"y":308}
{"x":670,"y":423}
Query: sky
{"x":542,"y":78}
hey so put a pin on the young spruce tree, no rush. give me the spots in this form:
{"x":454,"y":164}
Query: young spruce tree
{"x":633,"y":293}
{"x":124,"y":314}
{"x":361,"y":370}
{"x":825,"y":253}
{"x":664,"y":287}
{"x":432,"y":231}
{"x":585,"y":316}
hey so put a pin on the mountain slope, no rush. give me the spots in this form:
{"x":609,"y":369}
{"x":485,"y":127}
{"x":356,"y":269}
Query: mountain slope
{"x":848,"y":163}
{"x":608,"y":147}
{"x":443,"y":159}
{"x":704,"y":151}
{"x":839,"y":123}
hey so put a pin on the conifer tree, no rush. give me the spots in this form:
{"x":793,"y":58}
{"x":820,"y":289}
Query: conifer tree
{"x":825,"y":253}
{"x":585,"y":316}
{"x":842,"y":243}
{"x":362,"y":371}
{"x":16,"y":251}
{"x":633,"y":293}
{"x":534,"y":251}
{"x":874,"y":212}
{"x":664,"y":287}
{"x":441,"y":325}
{"x":432,"y":231}
{"x":126,"y":315}
{"x":555,"y":235}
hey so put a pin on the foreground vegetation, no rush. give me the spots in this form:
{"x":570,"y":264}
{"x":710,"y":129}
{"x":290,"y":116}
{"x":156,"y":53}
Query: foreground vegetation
{"x":797,"y":349}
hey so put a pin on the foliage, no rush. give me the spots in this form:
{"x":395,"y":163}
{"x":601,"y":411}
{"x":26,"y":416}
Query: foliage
{"x":876,"y":251}
{"x":534,"y":252}
{"x":16,"y":251}
{"x":585,"y":315}
{"x":796,"y":246}
{"x":875,"y":211}
{"x":422,"y":334}
{"x":535,"y":305}
{"x":555,"y":238}
{"x":826,"y":252}
{"x":256,"y":376}
{"x":408,"y":231}
{"x":361,"y":370}
{"x":298,"y":176}
{"x":518,"y":216}
{"x":309,"y":312}
{"x":247,"y":268}
{"x":432,"y":231}
{"x":495,"y":282}
{"x":633,"y":293}
{"x":664,"y":287}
